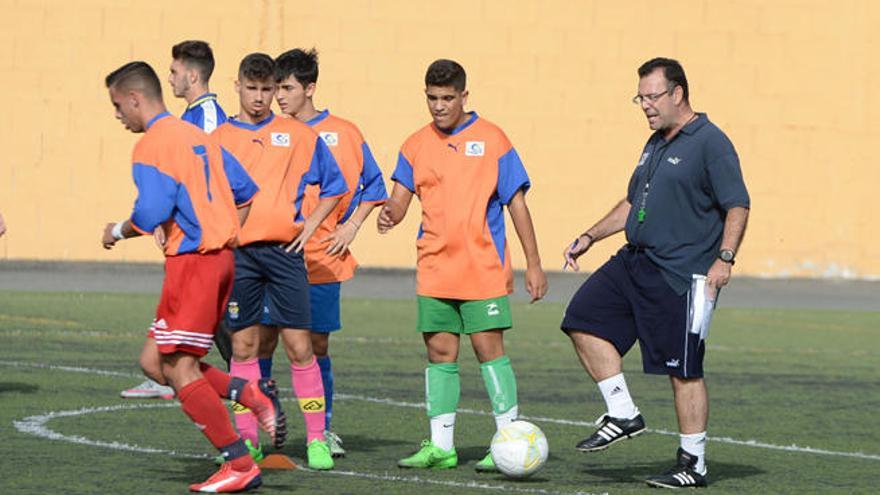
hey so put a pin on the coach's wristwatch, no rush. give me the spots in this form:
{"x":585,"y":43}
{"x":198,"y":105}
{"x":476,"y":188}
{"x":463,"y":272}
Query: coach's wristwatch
{"x":727,"y":256}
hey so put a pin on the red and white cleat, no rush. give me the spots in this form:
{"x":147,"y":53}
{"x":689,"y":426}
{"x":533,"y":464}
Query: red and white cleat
{"x":228,"y":480}
{"x":268,"y":410}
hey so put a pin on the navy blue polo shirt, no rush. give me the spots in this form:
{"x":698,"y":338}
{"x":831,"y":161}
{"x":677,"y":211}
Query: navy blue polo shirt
{"x":693,"y":180}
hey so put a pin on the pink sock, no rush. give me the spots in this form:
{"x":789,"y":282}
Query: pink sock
{"x":245,"y":421}
{"x":309,"y":390}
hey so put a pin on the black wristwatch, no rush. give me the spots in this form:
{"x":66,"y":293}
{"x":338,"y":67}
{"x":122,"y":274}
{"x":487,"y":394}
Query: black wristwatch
{"x":727,"y":256}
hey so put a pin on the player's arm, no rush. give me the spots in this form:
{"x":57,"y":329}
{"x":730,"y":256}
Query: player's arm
{"x":339,"y":241}
{"x":394,"y":210}
{"x":613,"y":222}
{"x":2,"y":226}
{"x":536,"y":281}
{"x":324,"y":207}
{"x":116,"y":232}
{"x":734,"y":230}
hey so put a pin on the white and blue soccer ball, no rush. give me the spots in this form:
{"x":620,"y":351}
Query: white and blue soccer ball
{"x":519,"y":449}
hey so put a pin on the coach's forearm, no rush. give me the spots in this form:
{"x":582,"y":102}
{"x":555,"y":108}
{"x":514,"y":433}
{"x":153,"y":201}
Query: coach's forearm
{"x":613,"y":222}
{"x":734,"y":228}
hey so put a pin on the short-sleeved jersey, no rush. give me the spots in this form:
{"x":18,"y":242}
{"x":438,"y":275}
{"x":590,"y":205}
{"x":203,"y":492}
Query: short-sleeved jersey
{"x":365,"y":185}
{"x":692,"y":180}
{"x":205,"y":113}
{"x":463,"y":179}
{"x":282,"y":156}
{"x":181,"y":177}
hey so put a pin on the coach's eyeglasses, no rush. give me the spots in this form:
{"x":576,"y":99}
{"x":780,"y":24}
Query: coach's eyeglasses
{"x":652,"y":98}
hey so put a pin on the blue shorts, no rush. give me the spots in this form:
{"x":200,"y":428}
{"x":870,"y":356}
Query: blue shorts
{"x":325,"y":307}
{"x":628,"y":299}
{"x":268,"y":276}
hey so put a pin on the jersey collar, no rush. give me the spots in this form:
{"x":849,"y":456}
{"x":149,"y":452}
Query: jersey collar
{"x":252,"y":127}
{"x":318,"y":118}
{"x":157,"y":117}
{"x":694,"y":126}
{"x":468,"y":122}
{"x":201,"y":99}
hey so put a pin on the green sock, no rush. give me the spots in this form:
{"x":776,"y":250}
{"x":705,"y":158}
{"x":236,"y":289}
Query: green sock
{"x":500,"y":383}
{"x":442,"y":388}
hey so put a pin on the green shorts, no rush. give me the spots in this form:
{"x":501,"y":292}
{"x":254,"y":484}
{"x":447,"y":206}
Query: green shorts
{"x":458,"y":316}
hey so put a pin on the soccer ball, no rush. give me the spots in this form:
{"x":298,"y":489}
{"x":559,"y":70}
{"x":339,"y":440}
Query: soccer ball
{"x":519,"y":449}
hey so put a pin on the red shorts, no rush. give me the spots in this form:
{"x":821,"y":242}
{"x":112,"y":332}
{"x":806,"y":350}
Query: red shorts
{"x":193,"y":300}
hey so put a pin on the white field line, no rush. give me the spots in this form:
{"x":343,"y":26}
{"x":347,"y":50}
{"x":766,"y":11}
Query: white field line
{"x":540,"y":419}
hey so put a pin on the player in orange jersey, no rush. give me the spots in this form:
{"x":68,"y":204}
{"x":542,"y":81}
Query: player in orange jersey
{"x":327,"y":253}
{"x":187,"y":185}
{"x":464,"y":171}
{"x":283,"y":156}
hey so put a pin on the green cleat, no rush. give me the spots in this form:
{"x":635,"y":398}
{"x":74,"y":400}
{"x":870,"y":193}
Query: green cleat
{"x":319,"y":456}
{"x":430,"y":457}
{"x":487,"y":465}
{"x":256,"y":453}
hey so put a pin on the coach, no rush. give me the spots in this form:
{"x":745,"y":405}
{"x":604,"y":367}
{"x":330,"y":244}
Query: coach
{"x":684,"y":216}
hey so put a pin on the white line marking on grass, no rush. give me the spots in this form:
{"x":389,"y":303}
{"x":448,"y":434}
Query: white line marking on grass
{"x":36,"y":425}
{"x":421,"y":405}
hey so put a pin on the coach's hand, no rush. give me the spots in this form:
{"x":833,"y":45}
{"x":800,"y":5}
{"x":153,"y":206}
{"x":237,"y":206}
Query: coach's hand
{"x":107,"y":239}
{"x":718,"y":276}
{"x":575,"y":250}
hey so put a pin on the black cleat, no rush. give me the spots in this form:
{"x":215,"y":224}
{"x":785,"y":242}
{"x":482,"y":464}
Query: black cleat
{"x":612,"y":430}
{"x":682,"y":475}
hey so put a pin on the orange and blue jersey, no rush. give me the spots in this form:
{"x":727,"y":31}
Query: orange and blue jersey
{"x":282,"y":156}
{"x":205,"y":113}
{"x":365,"y":185}
{"x":463,"y":178}
{"x":187,"y":184}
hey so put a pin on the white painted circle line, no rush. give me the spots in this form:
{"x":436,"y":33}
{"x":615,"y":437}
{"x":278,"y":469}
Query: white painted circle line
{"x":420,"y":405}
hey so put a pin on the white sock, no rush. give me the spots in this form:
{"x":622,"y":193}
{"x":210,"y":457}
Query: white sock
{"x":443,"y":430}
{"x":505,"y":418}
{"x":617,"y":398}
{"x":695,"y":444}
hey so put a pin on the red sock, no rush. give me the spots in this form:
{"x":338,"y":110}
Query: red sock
{"x":219,"y":380}
{"x":203,"y":406}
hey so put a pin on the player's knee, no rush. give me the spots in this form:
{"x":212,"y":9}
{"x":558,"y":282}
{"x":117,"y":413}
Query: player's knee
{"x":320,"y":344}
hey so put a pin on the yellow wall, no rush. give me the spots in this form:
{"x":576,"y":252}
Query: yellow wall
{"x":795,"y":85}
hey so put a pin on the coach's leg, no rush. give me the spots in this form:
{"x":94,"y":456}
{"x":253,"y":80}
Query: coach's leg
{"x":598,"y":356}
{"x":692,"y":410}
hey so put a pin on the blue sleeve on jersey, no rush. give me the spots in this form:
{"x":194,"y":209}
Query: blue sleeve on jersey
{"x":157,"y":196}
{"x":373,"y":188}
{"x":243,"y":187}
{"x":512,"y":176}
{"x":403,"y":173}
{"x":324,"y":171}
{"x":194,"y":116}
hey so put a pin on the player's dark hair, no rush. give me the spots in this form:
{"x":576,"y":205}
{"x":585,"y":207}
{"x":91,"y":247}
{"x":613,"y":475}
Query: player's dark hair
{"x":445,"y":72}
{"x":302,"y":65}
{"x":196,"y":54}
{"x":672,"y":71}
{"x":257,"y":67}
{"x":136,"y":75}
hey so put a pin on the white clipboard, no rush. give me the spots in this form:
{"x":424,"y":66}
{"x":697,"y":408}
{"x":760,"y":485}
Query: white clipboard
{"x":700,"y":307}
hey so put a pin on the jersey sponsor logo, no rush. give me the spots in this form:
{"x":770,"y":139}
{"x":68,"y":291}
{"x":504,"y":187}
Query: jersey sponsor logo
{"x":474,"y":148}
{"x":673,"y":160}
{"x":673,"y":363}
{"x":644,"y":158}
{"x":311,"y":405}
{"x":281,"y":139}
{"x":492,"y":309}
{"x":232,"y":310}
{"x":330,"y":138}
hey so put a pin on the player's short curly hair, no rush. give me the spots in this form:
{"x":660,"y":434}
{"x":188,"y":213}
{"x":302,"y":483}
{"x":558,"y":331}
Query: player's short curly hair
{"x":137,"y":76}
{"x":195,"y":54}
{"x":672,"y":71}
{"x":257,"y":67}
{"x":301,"y":64}
{"x":445,"y":72}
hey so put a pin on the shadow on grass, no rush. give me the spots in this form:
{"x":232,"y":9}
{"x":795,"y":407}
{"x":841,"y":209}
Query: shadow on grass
{"x":20,"y":388}
{"x":637,"y":472}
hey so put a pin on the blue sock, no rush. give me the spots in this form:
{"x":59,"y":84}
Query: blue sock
{"x":266,"y":367}
{"x":327,"y":379}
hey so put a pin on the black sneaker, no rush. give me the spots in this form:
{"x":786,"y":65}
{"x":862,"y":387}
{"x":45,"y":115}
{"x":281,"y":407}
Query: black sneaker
{"x":612,"y":430}
{"x":682,"y":475}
